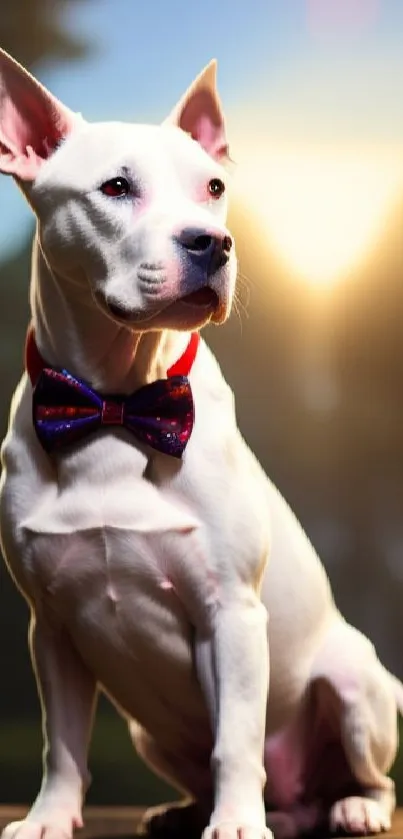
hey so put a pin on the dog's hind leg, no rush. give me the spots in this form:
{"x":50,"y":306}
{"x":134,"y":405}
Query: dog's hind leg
{"x":351,"y":683}
{"x":67,"y":693}
{"x":368,"y":733}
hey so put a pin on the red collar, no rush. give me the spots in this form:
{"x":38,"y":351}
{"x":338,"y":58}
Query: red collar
{"x":34,"y":363}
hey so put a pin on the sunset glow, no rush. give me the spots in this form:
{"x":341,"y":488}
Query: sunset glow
{"x":323,"y":210}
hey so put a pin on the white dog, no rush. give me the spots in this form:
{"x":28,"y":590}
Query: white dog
{"x":142,"y":558}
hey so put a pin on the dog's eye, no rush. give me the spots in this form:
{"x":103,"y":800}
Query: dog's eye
{"x":116,"y":187}
{"x":216,"y":187}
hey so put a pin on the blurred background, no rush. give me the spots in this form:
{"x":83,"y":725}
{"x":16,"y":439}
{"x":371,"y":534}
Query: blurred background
{"x":313,"y":92}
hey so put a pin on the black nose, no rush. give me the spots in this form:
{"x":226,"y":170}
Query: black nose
{"x":212,"y":250}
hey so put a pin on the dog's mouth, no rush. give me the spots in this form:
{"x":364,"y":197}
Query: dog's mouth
{"x":204,"y":297}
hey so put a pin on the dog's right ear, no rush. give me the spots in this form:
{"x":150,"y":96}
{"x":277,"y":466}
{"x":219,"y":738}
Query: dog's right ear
{"x":32,"y":121}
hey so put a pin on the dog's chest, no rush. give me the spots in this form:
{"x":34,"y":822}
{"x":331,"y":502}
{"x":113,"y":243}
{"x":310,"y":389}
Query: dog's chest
{"x":111,"y":487}
{"x":104,"y":529}
{"x":104,"y":499}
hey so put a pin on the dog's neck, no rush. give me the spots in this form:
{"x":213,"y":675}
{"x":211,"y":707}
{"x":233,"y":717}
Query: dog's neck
{"x":71,"y":331}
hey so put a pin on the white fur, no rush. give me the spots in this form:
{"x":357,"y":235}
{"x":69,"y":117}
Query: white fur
{"x":144,"y":574}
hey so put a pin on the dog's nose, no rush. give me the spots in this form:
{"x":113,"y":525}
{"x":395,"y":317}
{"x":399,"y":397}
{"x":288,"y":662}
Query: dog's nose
{"x":210,"y":249}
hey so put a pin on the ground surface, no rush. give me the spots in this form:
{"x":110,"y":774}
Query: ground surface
{"x":105,"y":822}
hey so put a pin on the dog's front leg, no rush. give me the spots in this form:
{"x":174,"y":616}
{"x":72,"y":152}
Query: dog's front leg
{"x":232,"y":662}
{"x":67,"y":694}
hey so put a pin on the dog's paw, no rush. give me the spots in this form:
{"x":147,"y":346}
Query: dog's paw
{"x":358,"y":816}
{"x":173,"y":820}
{"x":236,"y":830}
{"x":51,"y":824}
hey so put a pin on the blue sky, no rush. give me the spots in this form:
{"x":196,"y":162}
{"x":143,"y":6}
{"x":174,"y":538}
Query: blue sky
{"x":284,"y":72}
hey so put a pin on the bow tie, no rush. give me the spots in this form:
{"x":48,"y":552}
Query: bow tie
{"x":66,"y":410}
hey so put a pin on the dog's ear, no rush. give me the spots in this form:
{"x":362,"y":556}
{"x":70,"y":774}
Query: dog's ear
{"x":32,"y":121}
{"x":200,"y":114}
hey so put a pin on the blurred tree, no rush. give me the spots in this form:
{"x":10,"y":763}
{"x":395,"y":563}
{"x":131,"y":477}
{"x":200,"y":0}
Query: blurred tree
{"x":33,"y":31}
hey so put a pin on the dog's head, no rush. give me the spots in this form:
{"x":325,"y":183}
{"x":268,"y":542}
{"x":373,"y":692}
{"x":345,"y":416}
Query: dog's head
{"x":135,"y":214}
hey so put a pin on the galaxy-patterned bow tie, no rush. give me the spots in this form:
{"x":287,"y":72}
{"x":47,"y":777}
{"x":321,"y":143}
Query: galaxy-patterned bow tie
{"x":66,"y":409}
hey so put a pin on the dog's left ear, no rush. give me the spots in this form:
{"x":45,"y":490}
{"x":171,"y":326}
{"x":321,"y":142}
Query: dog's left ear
{"x":200,"y":114}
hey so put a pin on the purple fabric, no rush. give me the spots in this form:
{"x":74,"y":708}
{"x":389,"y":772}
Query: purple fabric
{"x":66,"y":410}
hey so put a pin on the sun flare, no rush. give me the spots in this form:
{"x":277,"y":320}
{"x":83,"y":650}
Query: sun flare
{"x":322,"y":209}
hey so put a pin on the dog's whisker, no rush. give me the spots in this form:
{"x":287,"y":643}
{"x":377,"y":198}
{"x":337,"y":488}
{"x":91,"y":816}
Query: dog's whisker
{"x":244,"y":279}
{"x":237,"y":313}
{"x":242,"y":295}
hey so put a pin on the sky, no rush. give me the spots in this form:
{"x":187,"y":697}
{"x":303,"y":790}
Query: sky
{"x":312,"y":91}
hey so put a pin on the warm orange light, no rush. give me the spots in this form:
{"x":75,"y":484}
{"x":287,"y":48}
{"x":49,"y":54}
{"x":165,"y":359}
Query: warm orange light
{"x":323,"y":209}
